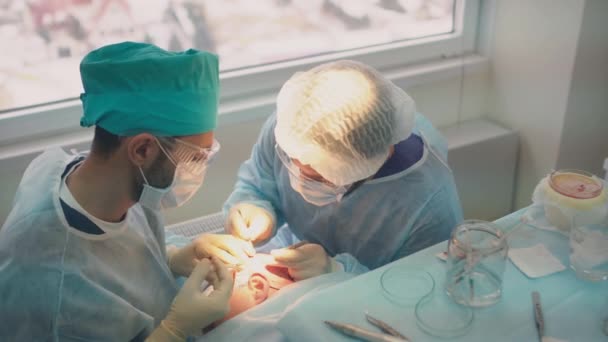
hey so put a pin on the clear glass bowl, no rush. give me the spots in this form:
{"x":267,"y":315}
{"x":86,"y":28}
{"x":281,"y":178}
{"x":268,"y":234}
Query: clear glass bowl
{"x":438,"y":315}
{"x":576,"y":184}
{"x":405,"y":285}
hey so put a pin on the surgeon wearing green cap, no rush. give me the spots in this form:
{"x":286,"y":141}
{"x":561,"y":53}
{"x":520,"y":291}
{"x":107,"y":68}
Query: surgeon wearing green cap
{"x":82,"y":253}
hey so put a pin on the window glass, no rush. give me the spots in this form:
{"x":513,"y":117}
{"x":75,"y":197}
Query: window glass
{"x":44,"y":40}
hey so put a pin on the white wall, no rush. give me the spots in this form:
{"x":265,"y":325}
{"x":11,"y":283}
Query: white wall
{"x":584,"y":144}
{"x":533,"y":56}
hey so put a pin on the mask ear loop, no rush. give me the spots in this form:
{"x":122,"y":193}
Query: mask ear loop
{"x":166,"y":154}
{"x":142,"y":174}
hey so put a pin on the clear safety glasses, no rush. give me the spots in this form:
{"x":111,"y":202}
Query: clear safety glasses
{"x":192,"y":158}
{"x":295,"y":170}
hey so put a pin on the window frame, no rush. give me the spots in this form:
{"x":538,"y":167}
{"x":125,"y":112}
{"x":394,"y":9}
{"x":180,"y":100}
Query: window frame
{"x":260,"y":84}
{"x":382,"y":57}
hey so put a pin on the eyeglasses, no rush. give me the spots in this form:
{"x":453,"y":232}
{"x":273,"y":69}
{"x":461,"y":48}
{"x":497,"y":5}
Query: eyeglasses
{"x":192,"y":157}
{"x":295,"y":170}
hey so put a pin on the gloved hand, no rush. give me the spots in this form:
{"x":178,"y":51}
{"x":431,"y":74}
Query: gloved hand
{"x":191,"y":309}
{"x":250,"y":222}
{"x":307,"y":261}
{"x":182,"y":260}
{"x":226,"y":248}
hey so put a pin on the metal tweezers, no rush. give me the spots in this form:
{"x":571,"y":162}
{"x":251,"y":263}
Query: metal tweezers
{"x":389,"y":334}
{"x":385,"y":327}
{"x":538,"y":315}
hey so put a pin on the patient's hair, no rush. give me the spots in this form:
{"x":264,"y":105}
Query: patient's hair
{"x":104,"y":142}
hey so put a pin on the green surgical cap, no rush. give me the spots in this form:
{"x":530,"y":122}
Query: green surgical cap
{"x":131,"y":88}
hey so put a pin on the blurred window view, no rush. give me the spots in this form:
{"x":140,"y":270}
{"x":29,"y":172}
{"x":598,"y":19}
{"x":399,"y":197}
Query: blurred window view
{"x":43,"y":41}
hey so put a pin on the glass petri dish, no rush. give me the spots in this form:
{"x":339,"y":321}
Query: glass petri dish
{"x":405,"y":285}
{"x":438,"y":315}
{"x":576,"y":184}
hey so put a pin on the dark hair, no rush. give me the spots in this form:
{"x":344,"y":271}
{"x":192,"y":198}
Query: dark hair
{"x":104,"y":142}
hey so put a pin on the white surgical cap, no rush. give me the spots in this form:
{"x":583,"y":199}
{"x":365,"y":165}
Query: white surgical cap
{"x":341,"y":118}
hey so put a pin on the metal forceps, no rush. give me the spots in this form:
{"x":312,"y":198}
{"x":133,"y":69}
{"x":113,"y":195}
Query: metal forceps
{"x":385,"y":327}
{"x":389,"y":334}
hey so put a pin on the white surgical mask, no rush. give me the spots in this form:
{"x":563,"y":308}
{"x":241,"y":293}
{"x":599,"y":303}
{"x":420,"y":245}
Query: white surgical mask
{"x":313,"y":191}
{"x":183,"y":187}
{"x":316,"y":193}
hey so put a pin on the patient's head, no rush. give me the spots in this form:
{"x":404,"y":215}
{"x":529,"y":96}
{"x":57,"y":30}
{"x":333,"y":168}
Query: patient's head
{"x":257,"y":280}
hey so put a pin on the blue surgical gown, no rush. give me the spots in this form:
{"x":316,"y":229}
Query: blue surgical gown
{"x":381,"y":221}
{"x":60,"y":283}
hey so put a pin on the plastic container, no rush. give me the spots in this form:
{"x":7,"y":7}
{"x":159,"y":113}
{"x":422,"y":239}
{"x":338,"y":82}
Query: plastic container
{"x":564,"y":194}
{"x":589,"y":249}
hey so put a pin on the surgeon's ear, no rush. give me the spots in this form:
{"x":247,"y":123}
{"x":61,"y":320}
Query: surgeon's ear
{"x":142,"y":149}
{"x":259,"y":287}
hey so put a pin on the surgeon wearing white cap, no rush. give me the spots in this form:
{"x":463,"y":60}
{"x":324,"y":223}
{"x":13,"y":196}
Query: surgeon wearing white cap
{"x":347,"y":165}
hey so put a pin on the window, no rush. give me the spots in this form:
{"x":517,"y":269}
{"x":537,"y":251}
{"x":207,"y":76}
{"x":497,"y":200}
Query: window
{"x":48,"y":38}
{"x":260,"y":43}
